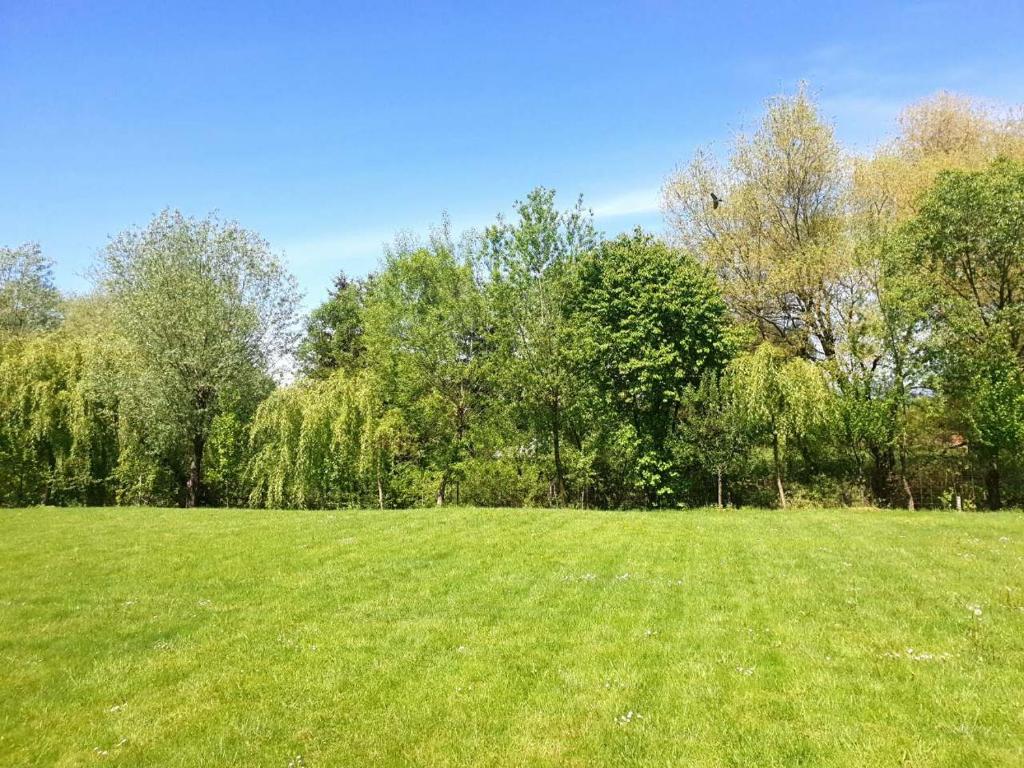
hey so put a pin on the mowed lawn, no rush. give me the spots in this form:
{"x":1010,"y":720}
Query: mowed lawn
{"x":511,"y":637}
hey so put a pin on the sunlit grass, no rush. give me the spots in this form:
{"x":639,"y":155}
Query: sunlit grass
{"x":511,"y":637}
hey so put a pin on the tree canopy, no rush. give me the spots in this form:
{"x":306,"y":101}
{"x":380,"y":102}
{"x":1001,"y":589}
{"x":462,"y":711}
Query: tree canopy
{"x":816,"y":325}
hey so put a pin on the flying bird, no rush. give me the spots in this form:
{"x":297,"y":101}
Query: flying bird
{"x":715,"y":201}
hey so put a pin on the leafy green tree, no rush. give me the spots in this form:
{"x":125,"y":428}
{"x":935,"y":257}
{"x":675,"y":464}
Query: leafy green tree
{"x":968,"y":241}
{"x":427,"y":329}
{"x":333,"y":338}
{"x":770,"y":223}
{"x":321,"y":443}
{"x":655,"y":322}
{"x":882,"y":370}
{"x":784,"y":398}
{"x":28,"y":299}
{"x":58,"y":439}
{"x":712,"y":429}
{"x":987,"y":385}
{"x":207,"y":313}
{"x":969,"y":235}
{"x":528,"y":262}
{"x":274,"y":437}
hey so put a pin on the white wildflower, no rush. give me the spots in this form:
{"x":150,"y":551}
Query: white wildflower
{"x":628,"y":717}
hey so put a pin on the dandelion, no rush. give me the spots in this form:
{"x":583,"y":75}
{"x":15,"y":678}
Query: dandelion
{"x":745,"y":671}
{"x":975,"y":609}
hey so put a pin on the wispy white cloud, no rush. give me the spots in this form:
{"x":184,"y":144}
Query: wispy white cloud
{"x":315,"y":260}
{"x":336,"y":247}
{"x":633,"y":203}
{"x":863,"y":120}
{"x":864,"y":93}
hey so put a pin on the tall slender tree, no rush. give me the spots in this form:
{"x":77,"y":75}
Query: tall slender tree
{"x":528,"y":261}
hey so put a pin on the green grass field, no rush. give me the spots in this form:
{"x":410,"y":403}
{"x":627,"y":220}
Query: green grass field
{"x":511,"y":637}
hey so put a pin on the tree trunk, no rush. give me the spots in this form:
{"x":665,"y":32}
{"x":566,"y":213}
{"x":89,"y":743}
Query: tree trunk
{"x":441,"y":490}
{"x":993,"y":487}
{"x":719,"y":489}
{"x":903,"y":474}
{"x":194,"y":486}
{"x":907,"y":490}
{"x":380,"y":487}
{"x":778,"y":469}
{"x":556,"y":440}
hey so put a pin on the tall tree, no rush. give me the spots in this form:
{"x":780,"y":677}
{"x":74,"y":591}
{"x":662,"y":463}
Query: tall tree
{"x":528,"y":261}
{"x":28,"y":299}
{"x":770,"y":224}
{"x":882,"y":369}
{"x":655,"y":322}
{"x":206,"y":311}
{"x":333,"y":338}
{"x":427,"y":333}
{"x":968,"y":240}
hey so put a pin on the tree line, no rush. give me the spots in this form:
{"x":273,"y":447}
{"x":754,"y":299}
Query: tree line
{"x":817,"y":326}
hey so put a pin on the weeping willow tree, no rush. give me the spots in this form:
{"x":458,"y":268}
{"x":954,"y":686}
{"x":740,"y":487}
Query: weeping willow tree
{"x":57,"y":429}
{"x":322,"y":444}
{"x":784,"y":398}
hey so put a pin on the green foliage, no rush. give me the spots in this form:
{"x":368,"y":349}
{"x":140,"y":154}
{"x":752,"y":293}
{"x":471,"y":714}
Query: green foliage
{"x":308,"y":443}
{"x":529,"y":263}
{"x":847,"y":327}
{"x":785,"y":400}
{"x":652,"y":322}
{"x":711,"y":431}
{"x":427,"y":339}
{"x":777,"y":241}
{"x":28,"y":299}
{"x":56,"y":432}
{"x":969,"y":235}
{"x":968,"y":243}
{"x":333,"y":337}
{"x":206,"y":312}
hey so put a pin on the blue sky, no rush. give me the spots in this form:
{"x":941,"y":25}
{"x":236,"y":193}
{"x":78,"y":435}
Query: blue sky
{"x":327,"y":127}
